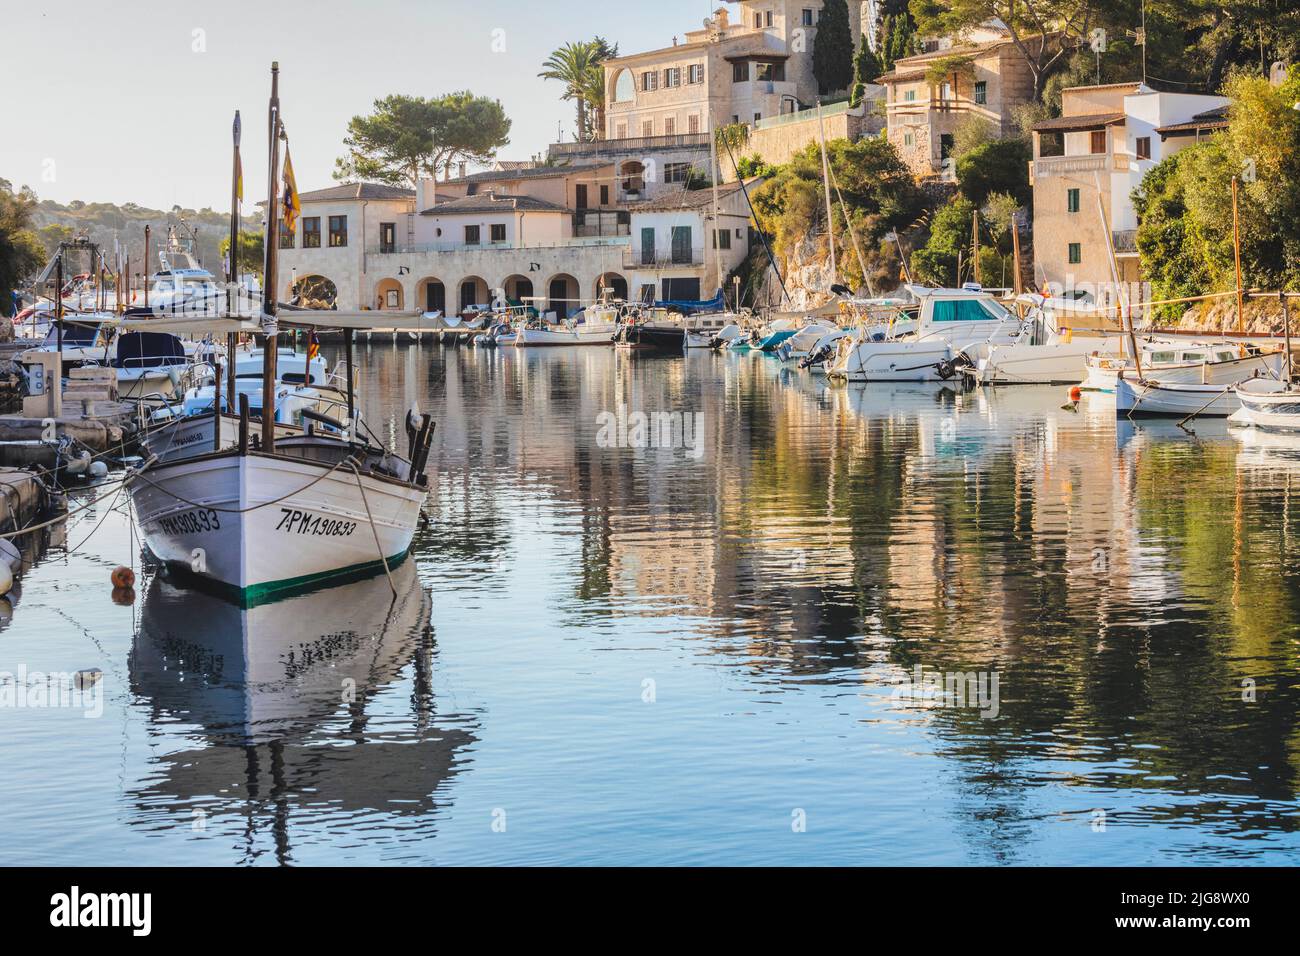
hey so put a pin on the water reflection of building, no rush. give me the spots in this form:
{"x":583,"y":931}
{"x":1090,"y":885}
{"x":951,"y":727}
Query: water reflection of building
{"x":283,"y":700}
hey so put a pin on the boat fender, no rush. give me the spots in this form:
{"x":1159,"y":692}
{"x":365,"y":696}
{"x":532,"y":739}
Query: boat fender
{"x":10,"y":556}
{"x":6,"y":578}
{"x":122,"y":577}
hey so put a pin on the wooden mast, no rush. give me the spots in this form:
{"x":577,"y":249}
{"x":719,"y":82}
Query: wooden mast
{"x":1236,"y":254}
{"x":270,"y":349}
{"x":233,"y":270}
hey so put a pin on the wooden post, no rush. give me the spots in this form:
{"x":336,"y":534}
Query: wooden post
{"x":347,"y":368}
{"x":58,"y":316}
{"x":243,"y":424}
{"x":1236,"y":253}
{"x":270,"y":350}
{"x":1286,"y":336}
{"x":146,"y":264}
{"x":216,"y":410}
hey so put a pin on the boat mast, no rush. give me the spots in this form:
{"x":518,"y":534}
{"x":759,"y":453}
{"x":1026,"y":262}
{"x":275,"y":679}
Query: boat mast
{"x":713,"y":175}
{"x":269,"y":325}
{"x":233,"y":271}
{"x":826,"y":186}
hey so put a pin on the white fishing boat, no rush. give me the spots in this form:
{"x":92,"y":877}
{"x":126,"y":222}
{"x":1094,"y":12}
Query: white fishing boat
{"x":1268,"y":404}
{"x":952,"y":325}
{"x":274,"y":514}
{"x":1149,"y":397}
{"x":1189,"y":363}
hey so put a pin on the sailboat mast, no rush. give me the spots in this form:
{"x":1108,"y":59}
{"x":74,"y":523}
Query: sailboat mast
{"x":713,"y":175}
{"x":826,"y":185}
{"x":269,"y":324}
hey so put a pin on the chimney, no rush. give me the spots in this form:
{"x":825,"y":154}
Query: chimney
{"x":463,"y":168}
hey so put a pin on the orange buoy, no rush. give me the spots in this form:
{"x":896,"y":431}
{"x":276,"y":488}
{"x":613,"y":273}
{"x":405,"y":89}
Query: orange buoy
{"x":123,"y":577}
{"x":1076,"y":393}
{"x":124,"y":596}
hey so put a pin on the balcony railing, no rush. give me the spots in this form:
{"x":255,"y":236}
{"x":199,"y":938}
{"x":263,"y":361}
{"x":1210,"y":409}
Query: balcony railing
{"x":645,"y":259}
{"x":1124,"y":241}
{"x":450,"y":245}
{"x":631,"y":144}
{"x":1046,"y":166}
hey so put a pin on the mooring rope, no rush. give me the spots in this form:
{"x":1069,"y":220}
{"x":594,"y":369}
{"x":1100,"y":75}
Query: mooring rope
{"x":373,"y":530}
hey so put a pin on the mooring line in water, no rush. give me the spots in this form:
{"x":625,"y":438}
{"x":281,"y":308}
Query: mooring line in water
{"x":28,"y":529}
{"x":373,"y":530}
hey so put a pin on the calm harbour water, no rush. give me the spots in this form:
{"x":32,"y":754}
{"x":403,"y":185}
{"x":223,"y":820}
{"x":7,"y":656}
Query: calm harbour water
{"x":666,"y":656}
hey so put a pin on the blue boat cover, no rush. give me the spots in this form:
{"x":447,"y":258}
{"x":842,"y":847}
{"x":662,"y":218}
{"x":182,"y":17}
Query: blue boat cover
{"x":692,"y":306}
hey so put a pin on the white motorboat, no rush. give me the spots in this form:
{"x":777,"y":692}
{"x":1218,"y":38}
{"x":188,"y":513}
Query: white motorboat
{"x":1052,"y":347}
{"x":1190,"y":363}
{"x":806,"y":340}
{"x":150,"y":367}
{"x":951,"y":327}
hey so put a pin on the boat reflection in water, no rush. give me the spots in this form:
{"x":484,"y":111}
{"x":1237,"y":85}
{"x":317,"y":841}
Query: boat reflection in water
{"x":309,"y":709}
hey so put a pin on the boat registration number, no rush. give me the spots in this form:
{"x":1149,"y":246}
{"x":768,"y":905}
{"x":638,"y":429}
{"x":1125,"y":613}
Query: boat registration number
{"x":294,"y":521}
{"x":195,"y":521}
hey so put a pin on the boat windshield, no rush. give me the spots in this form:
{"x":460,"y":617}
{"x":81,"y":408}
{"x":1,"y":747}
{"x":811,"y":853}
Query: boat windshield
{"x":75,"y":335}
{"x":968,"y":310}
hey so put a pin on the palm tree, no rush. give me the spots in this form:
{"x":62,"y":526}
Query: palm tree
{"x":572,"y":64}
{"x":604,"y":50}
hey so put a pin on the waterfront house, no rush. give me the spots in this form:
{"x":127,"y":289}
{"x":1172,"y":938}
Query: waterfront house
{"x":980,"y":75}
{"x":1107,"y":138}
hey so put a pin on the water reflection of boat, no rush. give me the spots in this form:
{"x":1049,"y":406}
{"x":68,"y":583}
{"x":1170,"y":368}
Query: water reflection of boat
{"x":283,"y":696}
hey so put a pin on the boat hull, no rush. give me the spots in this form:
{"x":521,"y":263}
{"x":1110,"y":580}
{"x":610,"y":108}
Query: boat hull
{"x":531,"y":337}
{"x":1268,"y":405}
{"x":1134,"y":399}
{"x":905,"y":361}
{"x":1101,"y":376}
{"x":257,"y":526}
{"x":1059,"y":363}
{"x":660,"y":338}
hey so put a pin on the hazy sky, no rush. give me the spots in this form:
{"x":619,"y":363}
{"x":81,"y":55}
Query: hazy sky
{"x":125,"y":102}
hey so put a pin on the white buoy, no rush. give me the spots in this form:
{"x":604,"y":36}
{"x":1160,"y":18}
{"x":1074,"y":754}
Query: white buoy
{"x":6,"y":578}
{"x":10,"y":555}
{"x":98,"y":469}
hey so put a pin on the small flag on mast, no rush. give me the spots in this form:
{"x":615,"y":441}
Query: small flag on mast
{"x":239,"y":163}
{"x":291,"y":206}
{"x":313,"y":347}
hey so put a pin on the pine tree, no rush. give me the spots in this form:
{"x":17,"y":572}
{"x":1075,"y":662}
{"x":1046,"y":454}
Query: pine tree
{"x":866,"y":68}
{"x":833,"y":48}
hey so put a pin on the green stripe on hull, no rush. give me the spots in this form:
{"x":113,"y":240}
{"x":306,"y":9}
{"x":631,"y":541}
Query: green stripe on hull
{"x":272,"y":591}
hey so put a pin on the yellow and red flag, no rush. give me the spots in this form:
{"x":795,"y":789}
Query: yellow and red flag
{"x":313,"y":347}
{"x":291,"y":207}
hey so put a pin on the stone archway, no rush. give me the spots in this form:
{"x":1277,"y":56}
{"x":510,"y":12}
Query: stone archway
{"x":313,"y":292}
{"x":519,"y":290}
{"x":389,"y":295}
{"x":612,"y":282}
{"x":431,"y":295}
{"x":562,"y":295}
{"x":472,"y":290}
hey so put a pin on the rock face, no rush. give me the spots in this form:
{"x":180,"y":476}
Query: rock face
{"x":808,"y":278}
{"x":1261,"y":316}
